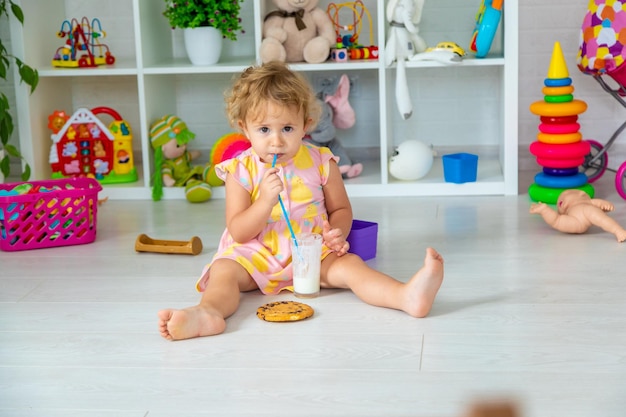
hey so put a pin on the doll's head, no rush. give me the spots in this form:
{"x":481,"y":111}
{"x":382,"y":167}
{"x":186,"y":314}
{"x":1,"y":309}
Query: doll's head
{"x":571,"y":197}
{"x":169,"y":128}
{"x":172,"y":149}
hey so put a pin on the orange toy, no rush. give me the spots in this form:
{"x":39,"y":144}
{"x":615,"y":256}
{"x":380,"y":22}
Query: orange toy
{"x":145,"y":243}
{"x":226,"y":147}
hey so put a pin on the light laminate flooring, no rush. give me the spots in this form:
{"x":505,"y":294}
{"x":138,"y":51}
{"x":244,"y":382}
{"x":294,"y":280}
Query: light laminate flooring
{"x":525,"y":313}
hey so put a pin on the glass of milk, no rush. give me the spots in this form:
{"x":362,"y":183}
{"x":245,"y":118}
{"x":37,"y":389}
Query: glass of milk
{"x":306,"y":260}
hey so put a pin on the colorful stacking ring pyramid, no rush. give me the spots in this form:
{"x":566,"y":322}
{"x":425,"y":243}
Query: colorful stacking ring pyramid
{"x":560,"y":148}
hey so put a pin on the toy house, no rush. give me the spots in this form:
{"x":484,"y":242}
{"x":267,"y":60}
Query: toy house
{"x":82,"y":145}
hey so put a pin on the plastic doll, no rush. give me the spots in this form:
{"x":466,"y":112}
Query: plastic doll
{"x":577,"y":212}
{"x":275,"y":107}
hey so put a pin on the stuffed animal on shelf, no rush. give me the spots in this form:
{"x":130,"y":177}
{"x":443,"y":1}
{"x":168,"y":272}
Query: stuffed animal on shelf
{"x":336,"y":113}
{"x":299,"y":31}
{"x":577,"y":212}
{"x":402,"y":44}
{"x":169,"y":137}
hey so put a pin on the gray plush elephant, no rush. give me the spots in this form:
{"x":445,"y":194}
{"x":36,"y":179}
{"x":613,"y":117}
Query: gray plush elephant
{"x":336,"y":113}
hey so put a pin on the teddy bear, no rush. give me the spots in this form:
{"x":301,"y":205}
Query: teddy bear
{"x":299,"y":31}
{"x":169,"y":137}
{"x":336,"y":113}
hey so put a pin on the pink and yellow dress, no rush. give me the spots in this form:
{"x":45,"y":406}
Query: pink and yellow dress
{"x":267,"y":258}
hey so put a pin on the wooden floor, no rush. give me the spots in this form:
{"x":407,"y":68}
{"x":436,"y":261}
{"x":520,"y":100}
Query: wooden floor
{"x":525,"y":313}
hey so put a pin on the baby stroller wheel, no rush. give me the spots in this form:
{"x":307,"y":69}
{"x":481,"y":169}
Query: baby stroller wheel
{"x":594,"y":170}
{"x":620,"y":181}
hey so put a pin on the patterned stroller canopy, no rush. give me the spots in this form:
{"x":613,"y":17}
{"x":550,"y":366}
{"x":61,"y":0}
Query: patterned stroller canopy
{"x":602,"y":37}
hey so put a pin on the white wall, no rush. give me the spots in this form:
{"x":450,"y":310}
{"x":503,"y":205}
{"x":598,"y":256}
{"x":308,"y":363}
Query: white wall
{"x":541,"y":24}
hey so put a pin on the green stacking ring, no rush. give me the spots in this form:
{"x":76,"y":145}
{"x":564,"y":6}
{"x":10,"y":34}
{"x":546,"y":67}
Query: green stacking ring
{"x":564,"y":98}
{"x":548,"y":195}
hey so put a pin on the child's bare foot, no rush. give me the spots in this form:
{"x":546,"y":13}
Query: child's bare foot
{"x":190,"y":322}
{"x":621,"y":235}
{"x":422,"y":288}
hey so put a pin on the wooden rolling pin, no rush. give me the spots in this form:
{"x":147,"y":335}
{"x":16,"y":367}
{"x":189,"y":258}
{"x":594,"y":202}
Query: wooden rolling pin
{"x":144,"y":243}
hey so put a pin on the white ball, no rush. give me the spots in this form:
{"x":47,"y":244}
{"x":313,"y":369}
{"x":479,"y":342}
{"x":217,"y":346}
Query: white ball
{"x":411,"y":160}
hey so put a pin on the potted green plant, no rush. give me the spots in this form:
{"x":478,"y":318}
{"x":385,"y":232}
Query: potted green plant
{"x":29,"y":76}
{"x":205,"y":23}
{"x":222,"y":15}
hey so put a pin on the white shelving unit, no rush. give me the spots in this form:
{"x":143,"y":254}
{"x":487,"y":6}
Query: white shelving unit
{"x":471,"y":107}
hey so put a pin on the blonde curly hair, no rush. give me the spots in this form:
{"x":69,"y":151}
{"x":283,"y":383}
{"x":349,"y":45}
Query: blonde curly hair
{"x":270,"y":82}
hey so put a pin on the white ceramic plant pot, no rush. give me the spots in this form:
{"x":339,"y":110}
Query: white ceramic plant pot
{"x":203,"y":45}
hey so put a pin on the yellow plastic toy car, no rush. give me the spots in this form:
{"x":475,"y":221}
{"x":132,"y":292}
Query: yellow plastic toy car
{"x":448,"y":46}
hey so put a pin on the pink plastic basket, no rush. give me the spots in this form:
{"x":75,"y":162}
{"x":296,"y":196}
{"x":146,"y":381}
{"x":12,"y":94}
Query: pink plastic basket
{"x":53,"y":213}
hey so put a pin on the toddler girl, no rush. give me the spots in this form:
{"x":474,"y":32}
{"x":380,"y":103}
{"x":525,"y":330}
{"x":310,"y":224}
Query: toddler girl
{"x":275,"y":108}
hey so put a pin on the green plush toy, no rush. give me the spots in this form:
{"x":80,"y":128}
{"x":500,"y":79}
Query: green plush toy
{"x":169,"y":137}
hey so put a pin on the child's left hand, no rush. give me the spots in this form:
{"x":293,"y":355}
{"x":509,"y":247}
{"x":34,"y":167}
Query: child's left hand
{"x":334,"y":239}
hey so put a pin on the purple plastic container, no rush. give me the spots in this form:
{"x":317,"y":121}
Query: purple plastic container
{"x":363,"y":238}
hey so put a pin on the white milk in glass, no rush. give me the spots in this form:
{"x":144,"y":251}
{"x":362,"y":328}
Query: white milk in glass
{"x":306,"y":259}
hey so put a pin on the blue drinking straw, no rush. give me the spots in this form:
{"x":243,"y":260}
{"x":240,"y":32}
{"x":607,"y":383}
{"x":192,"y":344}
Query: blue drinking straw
{"x":282,"y":206}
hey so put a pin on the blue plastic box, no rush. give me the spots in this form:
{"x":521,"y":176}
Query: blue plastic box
{"x":460,"y":167}
{"x":363,"y":238}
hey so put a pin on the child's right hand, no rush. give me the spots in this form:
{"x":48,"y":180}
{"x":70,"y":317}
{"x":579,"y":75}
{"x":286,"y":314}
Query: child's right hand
{"x":334,"y":239}
{"x":270,"y":187}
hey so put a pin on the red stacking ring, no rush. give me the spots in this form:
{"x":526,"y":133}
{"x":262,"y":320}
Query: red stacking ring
{"x":560,"y":163}
{"x":559,"y":120}
{"x":562,"y":128}
{"x":560,"y":151}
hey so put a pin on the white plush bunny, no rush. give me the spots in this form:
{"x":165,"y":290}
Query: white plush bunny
{"x":403,"y":42}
